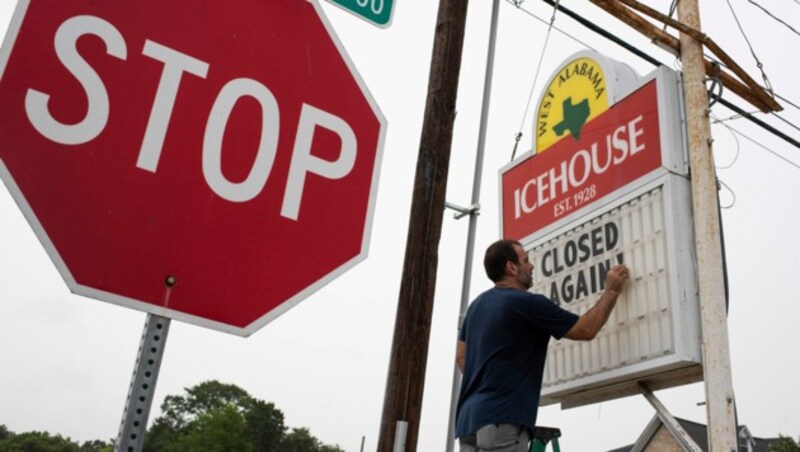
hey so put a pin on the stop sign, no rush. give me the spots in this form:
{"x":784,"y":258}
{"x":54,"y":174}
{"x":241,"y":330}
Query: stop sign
{"x":212,"y":162}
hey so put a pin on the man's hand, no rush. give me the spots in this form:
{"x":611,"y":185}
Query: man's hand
{"x":461,"y":355}
{"x":616,"y":278}
{"x":590,"y":323}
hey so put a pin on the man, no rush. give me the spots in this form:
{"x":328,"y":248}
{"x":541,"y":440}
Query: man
{"x":502,"y":348}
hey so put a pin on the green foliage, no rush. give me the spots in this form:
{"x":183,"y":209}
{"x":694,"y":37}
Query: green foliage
{"x":265,"y":425}
{"x":214,"y":416}
{"x":785,"y":444}
{"x":220,"y":429}
{"x":301,"y":440}
{"x":37,"y":442}
{"x":97,"y":446}
{"x":45,"y":442}
{"x":209,"y":417}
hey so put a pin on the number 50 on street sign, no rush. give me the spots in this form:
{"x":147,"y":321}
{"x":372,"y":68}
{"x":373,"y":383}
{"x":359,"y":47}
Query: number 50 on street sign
{"x":377,"y":12}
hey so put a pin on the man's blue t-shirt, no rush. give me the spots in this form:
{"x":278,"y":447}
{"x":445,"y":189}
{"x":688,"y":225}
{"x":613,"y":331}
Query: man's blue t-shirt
{"x":506,"y":332}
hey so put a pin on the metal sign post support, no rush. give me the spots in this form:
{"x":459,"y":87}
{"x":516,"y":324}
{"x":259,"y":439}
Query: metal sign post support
{"x":473,"y":212}
{"x":143,"y":384}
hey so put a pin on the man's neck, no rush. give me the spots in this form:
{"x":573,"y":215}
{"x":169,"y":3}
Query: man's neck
{"x":508,"y":284}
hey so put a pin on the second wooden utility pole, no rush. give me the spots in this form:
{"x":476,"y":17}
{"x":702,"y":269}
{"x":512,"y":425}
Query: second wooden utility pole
{"x":402,"y":404}
{"x":713,"y":313}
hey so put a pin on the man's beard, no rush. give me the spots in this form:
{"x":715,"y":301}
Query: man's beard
{"x":526,"y":280}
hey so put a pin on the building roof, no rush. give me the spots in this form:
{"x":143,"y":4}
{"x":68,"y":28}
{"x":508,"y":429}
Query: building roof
{"x":699,"y":434}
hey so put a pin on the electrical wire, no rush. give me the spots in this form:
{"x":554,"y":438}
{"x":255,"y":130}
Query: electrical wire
{"x":774,"y":17}
{"x":518,"y":3}
{"x":749,"y":115}
{"x":620,"y":42}
{"x":760,"y":66}
{"x":730,"y":190}
{"x":672,"y":8}
{"x":787,"y":100}
{"x":713,"y":59}
{"x":762,"y":146}
{"x":786,"y":121}
{"x":535,"y":77}
{"x":735,"y":138}
{"x":760,"y":123}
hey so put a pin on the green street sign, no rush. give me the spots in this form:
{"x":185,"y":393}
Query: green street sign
{"x":377,"y":12}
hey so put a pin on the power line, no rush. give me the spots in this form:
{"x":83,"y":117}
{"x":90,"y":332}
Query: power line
{"x":602,"y":32}
{"x":518,"y":3}
{"x":538,"y":68}
{"x":775,"y":17}
{"x":721,"y":64}
{"x":761,"y":145}
{"x":786,"y":121}
{"x":617,"y":40}
{"x":752,"y":51}
{"x":787,"y":100}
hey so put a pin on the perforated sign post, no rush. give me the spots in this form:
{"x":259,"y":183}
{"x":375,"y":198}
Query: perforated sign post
{"x":180,"y":157}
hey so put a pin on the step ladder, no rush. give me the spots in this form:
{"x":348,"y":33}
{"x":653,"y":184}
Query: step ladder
{"x":542,"y":436}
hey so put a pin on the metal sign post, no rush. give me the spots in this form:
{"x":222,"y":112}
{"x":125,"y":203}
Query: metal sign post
{"x":473,"y":212}
{"x":143,"y":384}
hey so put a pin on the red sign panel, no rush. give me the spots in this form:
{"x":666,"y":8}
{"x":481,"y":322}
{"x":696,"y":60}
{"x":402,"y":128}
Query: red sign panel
{"x":616,"y":148}
{"x":228,"y":145}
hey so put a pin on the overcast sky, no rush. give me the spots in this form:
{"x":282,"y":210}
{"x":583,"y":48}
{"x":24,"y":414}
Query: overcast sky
{"x":67,"y":360}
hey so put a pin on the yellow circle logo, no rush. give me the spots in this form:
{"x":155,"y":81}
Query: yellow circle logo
{"x":576,"y":95}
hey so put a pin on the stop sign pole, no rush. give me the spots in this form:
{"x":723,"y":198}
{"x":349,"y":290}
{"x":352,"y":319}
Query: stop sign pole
{"x":143,"y":384}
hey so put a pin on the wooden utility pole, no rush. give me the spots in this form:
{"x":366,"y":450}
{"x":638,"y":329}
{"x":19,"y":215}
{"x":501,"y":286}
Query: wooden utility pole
{"x":713,"y":313}
{"x":406,"y":379}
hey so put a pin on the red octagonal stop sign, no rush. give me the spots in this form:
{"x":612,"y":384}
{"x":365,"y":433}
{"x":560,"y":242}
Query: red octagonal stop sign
{"x":228,"y":147}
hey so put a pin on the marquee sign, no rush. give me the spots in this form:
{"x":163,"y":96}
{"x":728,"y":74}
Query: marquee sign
{"x":613,"y":189}
{"x":653,"y":334}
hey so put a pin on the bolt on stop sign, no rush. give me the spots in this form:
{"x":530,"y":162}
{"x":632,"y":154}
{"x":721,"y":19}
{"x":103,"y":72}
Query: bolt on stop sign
{"x":212,"y":162}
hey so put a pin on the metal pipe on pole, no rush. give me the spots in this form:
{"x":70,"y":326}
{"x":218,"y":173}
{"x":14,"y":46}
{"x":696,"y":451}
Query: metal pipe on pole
{"x":713,"y":316}
{"x":405,"y":383}
{"x":473,"y":214}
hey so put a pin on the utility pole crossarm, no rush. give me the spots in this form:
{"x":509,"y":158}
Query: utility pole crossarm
{"x":745,"y":87}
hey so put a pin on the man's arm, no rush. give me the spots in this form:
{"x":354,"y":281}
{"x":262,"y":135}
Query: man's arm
{"x":461,"y":354}
{"x":590,"y":323}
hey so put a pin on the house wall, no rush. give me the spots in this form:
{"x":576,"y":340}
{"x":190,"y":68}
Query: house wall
{"x":663,"y":441}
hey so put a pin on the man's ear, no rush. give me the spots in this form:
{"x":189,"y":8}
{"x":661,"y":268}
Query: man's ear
{"x":511,"y":268}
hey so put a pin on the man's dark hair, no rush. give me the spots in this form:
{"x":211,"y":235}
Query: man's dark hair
{"x":496,"y":257}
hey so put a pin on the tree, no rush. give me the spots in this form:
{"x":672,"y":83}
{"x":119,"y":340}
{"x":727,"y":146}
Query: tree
{"x":220,"y":429}
{"x":37,"y":442}
{"x":179,"y":411}
{"x":97,"y":446}
{"x":785,"y":444}
{"x":202,"y":413}
{"x":265,"y":425}
{"x":45,"y":442}
{"x":214,"y":416}
{"x":301,"y":440}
